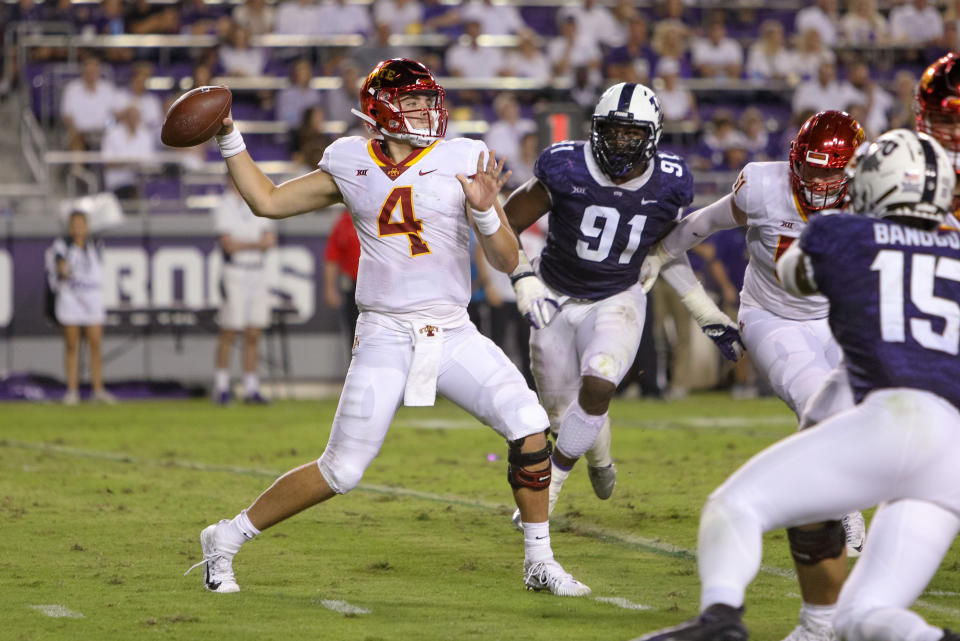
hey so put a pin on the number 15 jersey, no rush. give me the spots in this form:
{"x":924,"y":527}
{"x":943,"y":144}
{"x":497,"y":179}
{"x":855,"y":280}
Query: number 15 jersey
{"x":411,"y":221}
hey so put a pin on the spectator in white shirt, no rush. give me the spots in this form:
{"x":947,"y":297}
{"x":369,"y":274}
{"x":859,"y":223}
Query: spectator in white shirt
{"x":526,"y":60}
{"x":336,"y":17}
{"x":825,"y":92}
{"x":756,"y":136}
{"x":768,"y":58}
{"x":256,"y":16}
{"x":467,"y":59}
{"x":676,"y":100}
{"x":404,"y":16}
{"x":298,"y":17}
{"x":717,"y":56}
{"x":495,"y":19}
{"x":863,"y":24}
{"x":86,"y":105}
{"x":596,"y":23}
{"x":238,"y":58}
{"x":916,"y":22}
{"x":823,"y":17}
{"x":292,"y":101}
{"x":878,"y":102}
{"x":148,"y":104}
{"x":811,"y":53}
{"x":130,"y":139}
{"x":570,"y":50}
{"x":507,"y":131}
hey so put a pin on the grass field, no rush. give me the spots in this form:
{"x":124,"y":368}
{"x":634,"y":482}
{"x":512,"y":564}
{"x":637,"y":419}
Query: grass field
{"x":101,"y":507}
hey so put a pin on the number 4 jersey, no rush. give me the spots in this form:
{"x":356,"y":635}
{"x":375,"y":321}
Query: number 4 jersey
{"x":411,"y":220}
{"x":600,"y":232}
{"x":894,"y":295}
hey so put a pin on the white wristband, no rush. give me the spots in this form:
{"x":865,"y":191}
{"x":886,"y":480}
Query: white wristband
{"x":488,"y":222}
{"x":231,"y":144}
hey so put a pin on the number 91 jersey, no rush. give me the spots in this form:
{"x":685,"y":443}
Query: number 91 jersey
{"x":411,"y":221}
{"x":600,"y":232}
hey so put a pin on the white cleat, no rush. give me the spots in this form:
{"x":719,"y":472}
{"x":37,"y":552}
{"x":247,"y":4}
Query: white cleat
{"x":856,"y":530}
{"x":550,"y":575}
{"x":217,"y":563}
{"x":603,"y":480}
{"x":811,"y":631}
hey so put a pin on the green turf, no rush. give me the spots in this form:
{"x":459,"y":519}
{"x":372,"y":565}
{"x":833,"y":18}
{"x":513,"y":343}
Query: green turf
{"x":101,"y":508}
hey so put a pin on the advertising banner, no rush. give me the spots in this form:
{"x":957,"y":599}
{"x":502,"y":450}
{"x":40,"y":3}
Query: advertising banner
{"x":165,"y":280}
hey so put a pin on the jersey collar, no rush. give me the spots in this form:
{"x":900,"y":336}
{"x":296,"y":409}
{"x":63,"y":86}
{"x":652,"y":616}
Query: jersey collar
{"x":603,"y":180}
{"x":391,"y":169}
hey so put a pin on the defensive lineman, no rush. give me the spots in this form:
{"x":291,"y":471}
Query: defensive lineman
{"x":610,"y":199}
{"x":408,"y":192}
{"x":893,"y":283}
{"x":787,"y":335}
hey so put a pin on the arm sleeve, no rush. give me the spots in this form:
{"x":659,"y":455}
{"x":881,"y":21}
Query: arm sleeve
{"x":696,"y":227}
{"x":679,"y":275}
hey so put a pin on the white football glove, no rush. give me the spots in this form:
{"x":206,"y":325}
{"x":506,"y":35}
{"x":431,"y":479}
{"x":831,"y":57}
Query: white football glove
{"x":534,"y":300}
{"x":650,"y":269}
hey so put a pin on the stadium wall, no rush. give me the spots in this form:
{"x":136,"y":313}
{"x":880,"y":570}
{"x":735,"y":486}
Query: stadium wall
{"x":161,"y":291}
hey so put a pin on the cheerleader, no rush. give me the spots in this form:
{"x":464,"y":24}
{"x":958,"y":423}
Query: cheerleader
{"x":79,"y":304}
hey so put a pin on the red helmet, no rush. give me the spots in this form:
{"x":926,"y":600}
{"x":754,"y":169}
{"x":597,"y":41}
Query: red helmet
{"x":824,"y":146}
{"x":937,"y":105}
{"x":379,"y":101}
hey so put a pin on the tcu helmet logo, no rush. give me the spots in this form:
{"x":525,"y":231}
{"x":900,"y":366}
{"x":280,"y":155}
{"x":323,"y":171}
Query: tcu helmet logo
{"x":429,"y":330}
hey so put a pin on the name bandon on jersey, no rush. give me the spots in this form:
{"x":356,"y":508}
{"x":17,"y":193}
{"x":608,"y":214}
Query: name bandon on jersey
{"x":887,"y":234}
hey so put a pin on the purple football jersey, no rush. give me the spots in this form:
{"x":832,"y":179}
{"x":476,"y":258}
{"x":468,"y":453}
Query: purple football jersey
{"x":599,"y":232}
{"x":894,"y":295}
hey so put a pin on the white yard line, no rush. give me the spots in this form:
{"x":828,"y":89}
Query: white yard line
{"x":343,"y":607}
{"x":653,"y":545}
{"x":622,"y":603}
{"x":56,"y":611}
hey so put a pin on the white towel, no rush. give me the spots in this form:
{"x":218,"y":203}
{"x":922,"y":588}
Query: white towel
{"x":421,"y":389}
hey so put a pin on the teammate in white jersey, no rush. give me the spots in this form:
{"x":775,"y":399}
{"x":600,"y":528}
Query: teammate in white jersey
{"x":409,"y":192}
{"x":787,"y":335}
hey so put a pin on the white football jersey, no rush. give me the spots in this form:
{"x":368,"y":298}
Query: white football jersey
{"x":411,"y":220}
{"x":774,"y":221}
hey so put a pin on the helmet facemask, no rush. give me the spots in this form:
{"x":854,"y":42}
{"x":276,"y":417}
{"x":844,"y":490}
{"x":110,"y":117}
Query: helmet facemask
{"x":404,"y":118}
{"x":622,"y":145}
{"x":943,"y":125}
{"x":818,"y":187}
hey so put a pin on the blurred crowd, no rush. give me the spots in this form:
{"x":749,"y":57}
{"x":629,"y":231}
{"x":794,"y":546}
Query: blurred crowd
{"x":734,"y":82}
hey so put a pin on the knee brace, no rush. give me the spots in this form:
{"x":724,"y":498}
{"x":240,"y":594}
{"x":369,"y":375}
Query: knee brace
{"x":809,"y":547}
{"x":517,"y":474}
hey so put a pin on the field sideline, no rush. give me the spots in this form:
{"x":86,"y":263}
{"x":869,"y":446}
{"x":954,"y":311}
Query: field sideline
{"x":102,"y":506}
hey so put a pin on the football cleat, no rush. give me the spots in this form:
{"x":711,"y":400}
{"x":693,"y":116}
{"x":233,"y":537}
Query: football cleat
{"x":810,"y":630}
{"x":550,"y":576}
{"x":217,"y":563}
{"x":603,"y":480}
{"x":719,"y":622}
{"x":856,"y":531}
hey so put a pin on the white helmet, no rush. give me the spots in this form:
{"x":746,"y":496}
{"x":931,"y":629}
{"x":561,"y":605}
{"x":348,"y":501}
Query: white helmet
{"x":902,"y":173}
{"x":626,"y":128}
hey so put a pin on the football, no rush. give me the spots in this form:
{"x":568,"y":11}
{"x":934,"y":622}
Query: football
{"x":196,"y":116}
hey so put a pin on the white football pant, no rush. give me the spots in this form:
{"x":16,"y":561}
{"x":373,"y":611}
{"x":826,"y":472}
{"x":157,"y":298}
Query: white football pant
{"x":597,"y":338}
{"x":794,"y":356}
{"x":898,"y":444}
{"x":474,"y":373}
